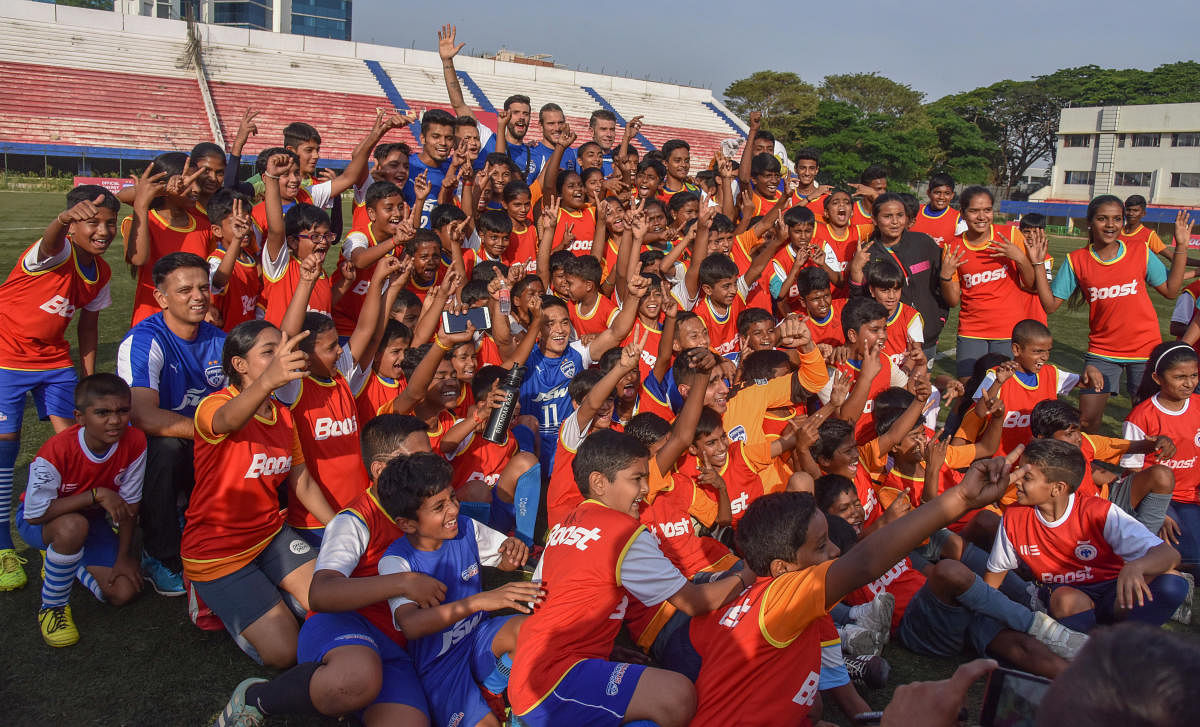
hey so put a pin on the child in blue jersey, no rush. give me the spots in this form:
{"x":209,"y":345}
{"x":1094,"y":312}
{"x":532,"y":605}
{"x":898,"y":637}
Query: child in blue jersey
{"x":556,"y":359}
{"x":457,"y":645}
{"x":437,"y":141}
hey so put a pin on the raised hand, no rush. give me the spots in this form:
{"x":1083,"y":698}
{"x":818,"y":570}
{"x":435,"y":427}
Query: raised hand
{"x":447,"y":48}
{"x":841,"y":388}
{"x":146,"y":187}
{"x":246,"y":127}
{"x":289,"y":363}
{"x":278,"y":165}
{"x":549,"y":217}
{"x":310,"y":267}
{"x":1037,"y":245}
{"x":81,"y":211}
{"x":638,"y":286}
{"x":952,"y":257}
{"x":987,"y":479}
{"x":634,"y":127}
{"x":421,"y":185}
{"x":180,"y":184}
{"x":503,"y":116}
{"x":566,"y":138}
{"x":1183,"y":227}
{"x":631,"y":354}
{"x":755,"y":119}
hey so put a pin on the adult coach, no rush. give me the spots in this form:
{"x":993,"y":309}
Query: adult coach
{"x":171,"y":360}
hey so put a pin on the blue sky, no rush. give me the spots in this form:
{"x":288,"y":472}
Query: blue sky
{"x":935,"y":47}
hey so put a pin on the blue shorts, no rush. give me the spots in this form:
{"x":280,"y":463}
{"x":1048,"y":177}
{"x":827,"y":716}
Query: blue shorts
{"x":324,"y":632}
{"x":99,"y":548}
{"x":934,"y":628}
{"x":1112,"y":370}
{"x":452,"y":681}
{"x":53,"y":395}
{"x":969,"y":350}
{"x":312,"y":536}
{"x":594,"y":692}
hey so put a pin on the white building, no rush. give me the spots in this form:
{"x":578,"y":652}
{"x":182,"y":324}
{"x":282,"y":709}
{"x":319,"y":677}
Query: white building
{"x":1151,"y":150}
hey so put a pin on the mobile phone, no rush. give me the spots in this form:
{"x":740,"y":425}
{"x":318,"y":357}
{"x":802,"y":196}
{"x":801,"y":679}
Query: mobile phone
{"x":457,"y":323}
{"x":1012,"y":698}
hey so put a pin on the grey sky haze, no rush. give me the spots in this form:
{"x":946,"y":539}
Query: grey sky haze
{"x":935,"y":47}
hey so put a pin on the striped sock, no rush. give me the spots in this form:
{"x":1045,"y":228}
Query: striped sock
{"x":9,"y":448}
{"x":60,"y":575}
{"x":89,"y":582}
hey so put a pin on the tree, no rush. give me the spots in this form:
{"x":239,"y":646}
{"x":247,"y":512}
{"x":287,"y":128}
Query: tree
{"x":849,"y":141}
{"x":961,"y":151}
{"x":872,"y":93}
{"x":784,"y":99}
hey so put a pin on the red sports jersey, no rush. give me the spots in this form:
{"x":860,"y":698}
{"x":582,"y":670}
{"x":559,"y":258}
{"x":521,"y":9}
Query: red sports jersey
{"x":842,"y":246}
{"x":64,"y":460}
{"x":722,"y":329}
{"x":741,"y":252}
{"x":37,"y":305}
{"x":165,"y":239}
{"x":1073,"y":550}
{"x":522,"y":248}
{"x":1122,"y":322}
{"x":829,"y":330}
{"x":761,"y":655}
{"x":234,"y":509}
{"x":669,"y":518}
{"x":259,"y":211}
{"x":992,"y":299}
{"x":1145,"y":236}
{"x":781,"y":266}
{"x":581,"y":615}
{"x":902,"y":580}
{"x":653,"y":336}
{"x":1151,"y":419}
{"x":383,"y":532}
{"x":277,"y":292}
{"x":1019,"y":399}
{"x":860,"y":215}
{"x":763,"y":205}
{"x":899,"y":325}
{"x":595,"y":320}
{"x":742,"y":471}
{"x":815,"y":204}
{"x":238,"y":301}
{"x":348,"y":308}
{"x":864,"y":428}
{"x":378,"y":390}
{"x":474,"y":257}
{"x":939,"y":226}
{"x":445,"y":420}
{"x":583,"y":228}
{"x":479,"y":459}
{"x":326,"y":422}
{"x":465,"y":404}
{"x":1097,"y":447}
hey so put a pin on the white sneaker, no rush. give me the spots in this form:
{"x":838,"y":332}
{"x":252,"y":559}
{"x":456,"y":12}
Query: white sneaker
{"x":877,"y":618}
{"x":1058,"y":638}
{"x":1183,"y":614}
{"x":857,"y":641}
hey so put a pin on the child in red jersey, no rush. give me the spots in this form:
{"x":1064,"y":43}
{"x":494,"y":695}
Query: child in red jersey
{"x":591,"y":312}
{"x":594,"y":562}
{"x":799,"y":254}
{"x":885,"y":283}
{"x":822,"y":314}
{"x":58,"y":275}
{"x":839,"y":238}
{"x":432,"y":388}
{"x":1170,"y":407}
{"x":234,"y":277}
{"x":1146,"y":495}
{"x":937,"y":218}
{"x":523,"y":240}
{"x":494,"y":229}
{"x":718,"y":293}
{"x":77,"y":477}
{"x":784,"y":540}
{"x":163,"y":222}
{"x":1122,"y":323}
{"x":364,"y":247}
{"x":350,"y":653}
{"x":1135,"y":231}
{"x":428,"y":269}
{"x":1023,"y":382}
{"x":1100,"y":564}
{"x":237,"y":551}
{"x":386,"y":377}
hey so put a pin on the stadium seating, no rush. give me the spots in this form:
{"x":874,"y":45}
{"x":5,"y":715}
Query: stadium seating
{"x":98,"y":80}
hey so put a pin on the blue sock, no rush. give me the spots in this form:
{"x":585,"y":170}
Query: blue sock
{"x":526,"y":497}
{"x":1082,"y":622}
{"x":60,"y":576}
{"x":9,"y":448}
{"x":497,"y":681}
{"x":982,"y":598}
{"x":840,"y":613}
{"x":1169,"y":590}
{"x":1013,"y":586}
{"x":480,"y":512}
{"x":89,"y":582}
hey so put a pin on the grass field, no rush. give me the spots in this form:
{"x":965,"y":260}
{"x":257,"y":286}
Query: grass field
{"x":146,"y":664}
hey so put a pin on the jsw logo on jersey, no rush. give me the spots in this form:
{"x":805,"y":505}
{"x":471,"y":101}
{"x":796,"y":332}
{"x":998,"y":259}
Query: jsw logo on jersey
{"x":58,"y":306}
{"x":1016,"y":420}
{"x":191,"y":399}
{"x":573,"y":535}
{"x":881,"y":583}
{"x":263,"y":465}
{"x":1180,"y":464}
{"x":987,"y":276}
{"x":327,"y":427}
{"x":580,"y":246}
{"x":1113,"y":291}
{"x":552,"y":395}
{"x":1083,"y":575}
{"x":458,"y":632}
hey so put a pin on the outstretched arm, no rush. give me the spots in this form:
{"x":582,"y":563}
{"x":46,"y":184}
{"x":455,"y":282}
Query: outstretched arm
{"x":447,"y":49}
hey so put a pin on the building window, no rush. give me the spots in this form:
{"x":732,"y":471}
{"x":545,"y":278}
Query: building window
{"x":256,"y":15}
{"x":1088,"y":178}
{"x":1073,"y":140}
{"x":1146,"y":139}
{"x":1132,"y":179}
{"x":1186,"y":138}
{"x":1190,"y":180}
{"x":1120,"y":140}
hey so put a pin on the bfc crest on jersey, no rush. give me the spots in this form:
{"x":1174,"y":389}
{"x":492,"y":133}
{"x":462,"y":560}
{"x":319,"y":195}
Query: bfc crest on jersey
{"x":1196,"y":439}
{"x":470,"y":572}
{"x":567,"y":367}
{"x":213,"y":373}
{"x":738,"y":434}
{"x":1086,"y":551}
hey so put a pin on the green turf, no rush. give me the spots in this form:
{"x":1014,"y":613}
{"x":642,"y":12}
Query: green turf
{"x":146,"y":663}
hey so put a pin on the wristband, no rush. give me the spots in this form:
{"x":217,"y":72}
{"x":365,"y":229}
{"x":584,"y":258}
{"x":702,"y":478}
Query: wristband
{"x":945,"y":280}
{"x":438,"y":340}
{"x":270,"y":176}
{"x":468,"y":183}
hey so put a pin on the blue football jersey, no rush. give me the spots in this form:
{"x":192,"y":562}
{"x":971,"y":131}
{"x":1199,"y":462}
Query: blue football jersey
{"x":544,"y":391}
{"x":542,"y":153}
{"x":182,"y":372}
{"x":435,"y":175}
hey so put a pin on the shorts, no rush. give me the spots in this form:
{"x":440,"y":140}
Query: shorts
{"x":242,"y":597}
{"x":324,"y":632}
{"x":312,"y":536}
{"x":969,"y":350}
{"x":1112,"y":370}
{"x":1120,"y":493}
{"x":593,"y":692}
{"x":452,"y":680}
{"x":934,"y":628}
{"x":53,"y":395}
{"x":100,"y":547}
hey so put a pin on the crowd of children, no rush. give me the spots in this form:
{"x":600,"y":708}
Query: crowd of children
{"x":691,"y":414}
